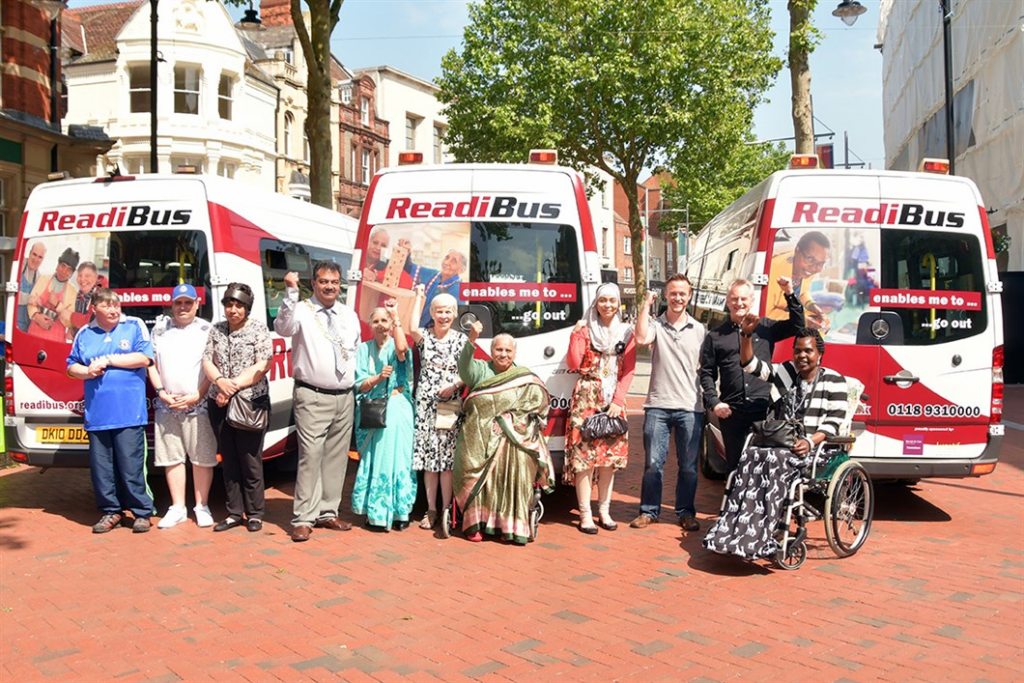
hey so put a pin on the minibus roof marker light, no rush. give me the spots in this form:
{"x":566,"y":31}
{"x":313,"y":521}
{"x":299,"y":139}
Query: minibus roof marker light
{"x":544,"y":156}
{"x":940,"y":166}
{"x":409,"y":158}
{"x":803,"y":161}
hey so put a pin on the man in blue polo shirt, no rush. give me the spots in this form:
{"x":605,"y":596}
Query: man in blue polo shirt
{"x":111,"y":354}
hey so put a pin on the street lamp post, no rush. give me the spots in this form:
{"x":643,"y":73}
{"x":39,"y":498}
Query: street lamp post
{"x":154,"y":165}
{"x":947,"y":20}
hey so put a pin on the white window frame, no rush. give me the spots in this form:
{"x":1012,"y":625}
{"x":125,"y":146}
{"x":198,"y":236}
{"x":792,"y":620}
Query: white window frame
{"x":366,"y":167}
{"x":438,"y":144}
{"x":140,"y":68}
{"x":345,"y":92}
{"x":198,"y":92}
{"x":627,"y":244}
{"x":289,"y":121}
{"x":411,"y":124}
{"x":228,"y":98}
{"x":364,"y":111}
{"x":627,"y":274}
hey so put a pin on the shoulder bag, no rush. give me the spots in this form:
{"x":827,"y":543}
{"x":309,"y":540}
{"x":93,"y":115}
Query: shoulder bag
{"x":373,"y":411}
{"x":448,"y":413}
{"x":782,"y":432}
{"x":244,"y":413}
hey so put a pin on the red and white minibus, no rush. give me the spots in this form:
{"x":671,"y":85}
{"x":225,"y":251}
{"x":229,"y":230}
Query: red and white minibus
{"x":513,"y":243}
{"x":142,"y":236}
{"x":898,"y":272}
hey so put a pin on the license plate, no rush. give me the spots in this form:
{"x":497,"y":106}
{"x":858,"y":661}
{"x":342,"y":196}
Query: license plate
{"x":61,"y":434}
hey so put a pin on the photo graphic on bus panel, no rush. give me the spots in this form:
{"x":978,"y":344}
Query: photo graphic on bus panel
{"x":932,"y":279}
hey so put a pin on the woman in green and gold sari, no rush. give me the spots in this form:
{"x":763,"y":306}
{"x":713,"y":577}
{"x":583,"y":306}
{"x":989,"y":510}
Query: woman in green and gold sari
{"x":501,"y":453}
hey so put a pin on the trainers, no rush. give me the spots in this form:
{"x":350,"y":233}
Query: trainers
{"x":689,"y":522}
{"x":175,"y":515}
{"x":642,"y":521}
{"x":203,"y":515}
{"x":106,"y":523}
{"x":141,"y":525}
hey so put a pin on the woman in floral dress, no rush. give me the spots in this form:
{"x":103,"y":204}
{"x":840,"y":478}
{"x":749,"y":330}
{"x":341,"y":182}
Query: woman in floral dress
{"x":603,"y":350}
{"x":439,"y":346}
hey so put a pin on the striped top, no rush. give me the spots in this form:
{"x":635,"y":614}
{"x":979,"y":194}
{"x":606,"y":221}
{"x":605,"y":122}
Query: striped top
{"x":826,"y":408}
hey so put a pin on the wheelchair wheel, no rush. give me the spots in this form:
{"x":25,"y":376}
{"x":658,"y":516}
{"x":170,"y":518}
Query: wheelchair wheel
{"x":794,"y":559}
{"x":536,"y":513}
{"x":446,"y":523}
{"x":849,"y":507}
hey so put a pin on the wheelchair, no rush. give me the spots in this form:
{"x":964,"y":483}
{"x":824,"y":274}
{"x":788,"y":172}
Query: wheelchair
{"x":842,"y":492}
{"x":451,"y":517}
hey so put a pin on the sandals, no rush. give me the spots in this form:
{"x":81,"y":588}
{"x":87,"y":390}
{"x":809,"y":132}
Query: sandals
{"x":429,"y":520}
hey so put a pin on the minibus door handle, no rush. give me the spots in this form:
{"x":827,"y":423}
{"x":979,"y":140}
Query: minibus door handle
{"x":893,"y":379}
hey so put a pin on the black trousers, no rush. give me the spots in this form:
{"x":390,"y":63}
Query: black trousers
{"x":241,"y":454}
{"x":734,"y":432}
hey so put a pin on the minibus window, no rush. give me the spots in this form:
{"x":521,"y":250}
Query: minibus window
{"x":279,"y":258}
{"x":938,"y":268}
{"x":517,"y":256}
{"x":146,"y":265}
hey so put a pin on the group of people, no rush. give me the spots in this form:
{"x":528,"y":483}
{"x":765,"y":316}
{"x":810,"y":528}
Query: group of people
{"x":473,"y":427}
{"x":726,"y":371}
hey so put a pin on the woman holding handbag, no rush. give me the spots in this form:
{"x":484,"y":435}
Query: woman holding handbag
{"x":237,"y":360}
{"x":438,"y":407}
{"x":602,"y":349}
{"x":385,"y":487}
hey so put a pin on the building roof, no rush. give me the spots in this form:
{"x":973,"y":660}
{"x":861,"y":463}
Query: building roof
{"x":98,"y":26}
{"x":401,"y":75}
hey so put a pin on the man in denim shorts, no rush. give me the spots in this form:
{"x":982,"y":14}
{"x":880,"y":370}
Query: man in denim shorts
{"x":182,"y":427}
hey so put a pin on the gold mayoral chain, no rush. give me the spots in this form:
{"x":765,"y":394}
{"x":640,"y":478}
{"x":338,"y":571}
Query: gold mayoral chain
{"x":326,"y":332}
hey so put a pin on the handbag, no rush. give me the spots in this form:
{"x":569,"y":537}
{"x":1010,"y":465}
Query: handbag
{"x":243,"y":413}
{"x":602,"y":425}
{"x":779,"y":433}
{"x":373,"y":413}
{"x":448,"y":413}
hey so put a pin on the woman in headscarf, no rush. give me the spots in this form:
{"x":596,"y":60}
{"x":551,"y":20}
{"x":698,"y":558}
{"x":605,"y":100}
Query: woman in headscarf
{"x":501,"y":454}
{"x":602,"y":349}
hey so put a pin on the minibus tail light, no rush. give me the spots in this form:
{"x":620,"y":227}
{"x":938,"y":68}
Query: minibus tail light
{"x":8,"y":379}
{"x":408,"y":158}
{"x":19,"y":457}
{"x":996,"y":413}
{"x":940,"y":166}
{"x":544,"y":156}
{"x":805,"y":161}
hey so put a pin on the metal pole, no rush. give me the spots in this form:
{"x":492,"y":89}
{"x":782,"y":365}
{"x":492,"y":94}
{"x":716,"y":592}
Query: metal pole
{"x":846,"y":150}
{"x":947,"y":49}
{"x":154,"y":166}
{"x":54,"y":95}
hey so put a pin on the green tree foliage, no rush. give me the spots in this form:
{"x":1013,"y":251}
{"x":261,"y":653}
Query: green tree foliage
{"x":620,"y":85}
{"x":711,"y":185}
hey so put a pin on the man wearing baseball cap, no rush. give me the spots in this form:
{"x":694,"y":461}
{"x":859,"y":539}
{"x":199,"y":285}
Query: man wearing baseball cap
{"x":182,"y":427}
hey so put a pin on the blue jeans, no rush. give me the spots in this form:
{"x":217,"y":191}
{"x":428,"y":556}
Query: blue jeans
{"x":117,"y":463}
{"x":688,"y":427}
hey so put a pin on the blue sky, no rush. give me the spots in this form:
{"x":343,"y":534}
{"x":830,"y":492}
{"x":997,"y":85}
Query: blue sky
{"x":846,"y":81}
{"x":846,"y":72}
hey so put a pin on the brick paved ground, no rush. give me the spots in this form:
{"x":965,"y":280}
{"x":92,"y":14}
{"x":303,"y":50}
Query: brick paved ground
{"x":937,"y":593}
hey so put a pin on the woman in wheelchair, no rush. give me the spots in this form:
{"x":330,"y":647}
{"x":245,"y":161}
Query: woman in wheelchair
{"x":760,"y":493}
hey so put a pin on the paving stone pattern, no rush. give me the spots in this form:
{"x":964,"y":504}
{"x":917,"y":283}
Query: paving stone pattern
{"x":937,"y":593}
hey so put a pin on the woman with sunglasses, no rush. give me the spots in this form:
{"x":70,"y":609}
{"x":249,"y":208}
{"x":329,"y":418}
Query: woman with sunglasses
{"x":237,"y":360}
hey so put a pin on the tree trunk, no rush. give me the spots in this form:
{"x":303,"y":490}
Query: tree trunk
{"x":316,"y":47}
{"x":800,"y":74}
{"x":636,"y":233}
